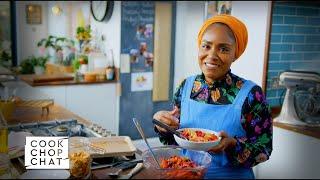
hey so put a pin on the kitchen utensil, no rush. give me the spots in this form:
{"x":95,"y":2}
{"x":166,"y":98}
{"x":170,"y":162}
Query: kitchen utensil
{"x":201,"y":146}
{"x":116,"y":164}
{"x":301,"y":102}
{"x":307,"y":106}
{"x":100,"y":166}
{"x":132,"y":172}
{"x":136,"y":123}
{"x":201,"y":158}
{"x":123,"y":166}
{"x":168,"y":128}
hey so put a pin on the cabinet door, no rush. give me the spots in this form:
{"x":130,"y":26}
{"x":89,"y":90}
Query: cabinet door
{"x":97,"y":103}
{"x":294,"y":156}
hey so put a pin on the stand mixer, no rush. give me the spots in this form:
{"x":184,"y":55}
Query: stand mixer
{"x":301,"y":105}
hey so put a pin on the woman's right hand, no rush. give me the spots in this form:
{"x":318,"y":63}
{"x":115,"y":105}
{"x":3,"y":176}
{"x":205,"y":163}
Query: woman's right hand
{"x":167,"y":117}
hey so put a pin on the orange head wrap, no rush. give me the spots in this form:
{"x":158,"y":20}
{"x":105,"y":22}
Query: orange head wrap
{"x":238,"y":28}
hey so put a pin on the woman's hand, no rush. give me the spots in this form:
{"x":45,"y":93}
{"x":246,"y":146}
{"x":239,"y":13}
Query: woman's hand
{"x":167,"y":117}
{"x":225,"y":143}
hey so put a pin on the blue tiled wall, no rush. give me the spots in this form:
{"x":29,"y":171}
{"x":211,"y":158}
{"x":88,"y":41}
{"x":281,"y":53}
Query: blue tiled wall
{"x":294,"y":43}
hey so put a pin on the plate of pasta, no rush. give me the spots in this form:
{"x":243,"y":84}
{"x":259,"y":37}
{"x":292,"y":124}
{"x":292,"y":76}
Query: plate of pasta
{"x":198,"y":138}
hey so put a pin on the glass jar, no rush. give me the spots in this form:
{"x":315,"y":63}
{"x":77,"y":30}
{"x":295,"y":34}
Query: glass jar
{"x":5,"y":172}
{"x":80,"y":164}
{"x":109,"y":73}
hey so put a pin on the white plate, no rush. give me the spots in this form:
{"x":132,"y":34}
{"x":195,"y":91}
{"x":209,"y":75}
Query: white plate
{"x":202,"y":146}
{"x":46,"y":174}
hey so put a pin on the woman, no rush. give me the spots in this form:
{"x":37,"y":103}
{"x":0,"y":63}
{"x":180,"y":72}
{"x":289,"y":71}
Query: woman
{"x":221,"y":101}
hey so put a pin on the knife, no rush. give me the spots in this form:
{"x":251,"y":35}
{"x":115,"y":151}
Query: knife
{"x":119,"y":164}
{"x":168,"y":128}
{"x":136,"y":169}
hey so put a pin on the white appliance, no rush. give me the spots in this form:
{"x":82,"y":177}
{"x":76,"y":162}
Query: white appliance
{"x":301,"y":105}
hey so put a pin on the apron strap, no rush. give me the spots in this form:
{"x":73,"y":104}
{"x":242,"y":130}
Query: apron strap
{"x":187,"y":89}
{"x":239,"y":100}
{"x":243,"y":93}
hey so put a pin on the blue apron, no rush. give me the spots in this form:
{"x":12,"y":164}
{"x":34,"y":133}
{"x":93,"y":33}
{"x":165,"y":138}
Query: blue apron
{"x":217,"y":118}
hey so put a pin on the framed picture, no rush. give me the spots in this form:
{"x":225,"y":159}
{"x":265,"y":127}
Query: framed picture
{"x":213,"y":8}
{"x":33,"y":14}
{"x":224,"y":7}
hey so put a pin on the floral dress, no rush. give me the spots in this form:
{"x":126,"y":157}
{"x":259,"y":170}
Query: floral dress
{"x":256,"y":119}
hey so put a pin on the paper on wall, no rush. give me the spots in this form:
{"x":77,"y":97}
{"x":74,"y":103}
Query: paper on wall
{"x":124,"y":63}
{"x":141,"y":81}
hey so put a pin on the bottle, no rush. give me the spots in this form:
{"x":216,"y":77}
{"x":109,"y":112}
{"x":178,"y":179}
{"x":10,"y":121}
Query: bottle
{"x":5,"y":172}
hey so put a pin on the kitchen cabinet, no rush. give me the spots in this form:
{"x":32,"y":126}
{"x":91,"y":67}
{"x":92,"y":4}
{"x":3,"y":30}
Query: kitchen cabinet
{"x":294,"y":156}
{"x":95,"y":102}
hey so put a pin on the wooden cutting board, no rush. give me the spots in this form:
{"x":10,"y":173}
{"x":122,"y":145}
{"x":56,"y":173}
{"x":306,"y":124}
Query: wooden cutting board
{"x":36,"y":103}
{"x":43,"y":104}
{"x":46,"y":78}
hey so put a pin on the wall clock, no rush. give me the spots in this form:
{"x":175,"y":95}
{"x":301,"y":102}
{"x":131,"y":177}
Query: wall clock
{"x":101,"y":10}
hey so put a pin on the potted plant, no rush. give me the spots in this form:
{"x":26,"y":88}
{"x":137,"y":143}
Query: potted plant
{"x":33,"y":65}
{"x":5,"y":58}
{"x":55,"y":45}
{"x":83,"y":61}
{"x":67,"y":63}
{"x":39,"y":64}
{"x":26,"y":66}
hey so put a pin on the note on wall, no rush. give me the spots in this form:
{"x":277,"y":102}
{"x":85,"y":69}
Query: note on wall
{"x":124,"y":63}
{"x":141,"y":81}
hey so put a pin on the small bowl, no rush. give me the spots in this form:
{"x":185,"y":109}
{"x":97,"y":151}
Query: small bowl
{"x":201,"y":158}
{"x":90,"y":77}
{"x":201,"y":146}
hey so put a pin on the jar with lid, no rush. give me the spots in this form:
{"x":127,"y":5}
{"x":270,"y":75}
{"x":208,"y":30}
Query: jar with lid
{"x":80,"y":161}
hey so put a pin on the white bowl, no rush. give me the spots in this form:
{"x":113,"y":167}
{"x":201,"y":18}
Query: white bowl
{"x":202,"y":146}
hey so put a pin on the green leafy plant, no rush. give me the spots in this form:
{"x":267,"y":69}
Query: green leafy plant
{"x":82,"y":59}
{"x":68,"y":60}
{"x":40,"y":61}
{"x":5,"y":58}
{"x":57,"y":43}
{"x":75,"y":64}
{"x":27,"y":65}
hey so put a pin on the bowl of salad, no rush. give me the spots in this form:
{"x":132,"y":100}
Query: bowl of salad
{"x":197,"y":138}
